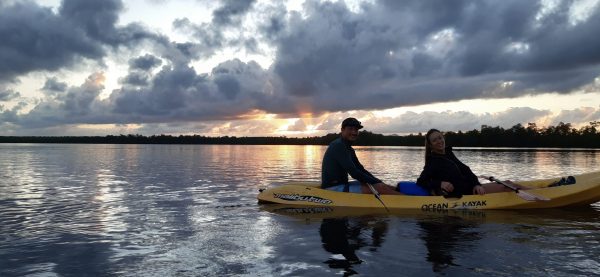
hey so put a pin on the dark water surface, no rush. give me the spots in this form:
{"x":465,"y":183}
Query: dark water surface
{"x":190,"y":210}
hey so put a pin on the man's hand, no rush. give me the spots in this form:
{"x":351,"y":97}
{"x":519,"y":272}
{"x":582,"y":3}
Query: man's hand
{"x":478,"y":189}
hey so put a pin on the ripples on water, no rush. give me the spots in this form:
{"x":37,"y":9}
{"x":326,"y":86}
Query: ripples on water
{"x":190,"y":210}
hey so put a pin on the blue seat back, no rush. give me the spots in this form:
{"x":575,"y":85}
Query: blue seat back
{"x":411,"y":188}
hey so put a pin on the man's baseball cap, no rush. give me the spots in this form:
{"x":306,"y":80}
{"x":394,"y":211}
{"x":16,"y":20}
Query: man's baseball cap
{"x":351,"y":121}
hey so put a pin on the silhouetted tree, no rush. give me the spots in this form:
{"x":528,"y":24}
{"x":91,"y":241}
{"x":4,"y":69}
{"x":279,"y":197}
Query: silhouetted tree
{"x":561,"y":135}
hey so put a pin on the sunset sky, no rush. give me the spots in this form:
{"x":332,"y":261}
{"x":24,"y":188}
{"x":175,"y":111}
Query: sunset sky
{"x":295,"y":68}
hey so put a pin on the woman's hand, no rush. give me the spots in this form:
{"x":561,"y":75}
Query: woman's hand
{"x":478,"y":189}
{"x":447,"y":186}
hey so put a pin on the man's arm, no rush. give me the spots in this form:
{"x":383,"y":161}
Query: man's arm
{"x":360,"y":166}
{"x":345,"y":159}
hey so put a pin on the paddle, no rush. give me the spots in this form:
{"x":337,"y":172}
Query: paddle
{"x":523,"y":194}
{"x":377,"y":195}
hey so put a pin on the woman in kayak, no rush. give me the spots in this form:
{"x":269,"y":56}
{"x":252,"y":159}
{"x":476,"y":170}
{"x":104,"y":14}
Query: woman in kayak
{"x":444,"y":173}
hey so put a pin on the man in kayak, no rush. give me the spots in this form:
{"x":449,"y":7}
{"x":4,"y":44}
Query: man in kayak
{"x":340,"y":160}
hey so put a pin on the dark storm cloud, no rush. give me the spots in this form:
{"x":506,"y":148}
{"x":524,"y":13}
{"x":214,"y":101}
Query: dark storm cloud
{"x":135,"y":79}
{"x":228,"y":86}
{"x":140,"y":67}
{"x":272,"y":23}
{"x":52,"y":85}
{"x":7,"y":95}
{"x":145,"y":62}
{"x":558,"y":45}
{"x":96,"y":18}
{"x":78,"y":101}
{"x":9,"y":116}
{"x":231,"y":12}
{"x":178,"y":93}
{"x":77,"y":104}
{"x":552,"y":42}
{"x":36,"y":38}
{"x":211,"y":36}
{"x":393,"y":53}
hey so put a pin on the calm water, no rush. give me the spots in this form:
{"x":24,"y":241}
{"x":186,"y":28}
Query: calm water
{"x":171,"y":210}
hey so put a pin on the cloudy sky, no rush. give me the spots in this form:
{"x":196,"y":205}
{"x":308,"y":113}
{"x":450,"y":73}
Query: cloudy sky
{"x":295,"y":68}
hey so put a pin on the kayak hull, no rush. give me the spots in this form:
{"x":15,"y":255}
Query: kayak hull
{"x":586,"y":191}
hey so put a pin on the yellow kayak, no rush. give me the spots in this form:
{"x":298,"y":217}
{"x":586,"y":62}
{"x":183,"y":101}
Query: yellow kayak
{"x":585,"y":191}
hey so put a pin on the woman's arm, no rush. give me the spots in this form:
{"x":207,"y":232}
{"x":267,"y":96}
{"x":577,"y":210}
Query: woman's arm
{"x":427,"y":178}
{"x":465,"y":171}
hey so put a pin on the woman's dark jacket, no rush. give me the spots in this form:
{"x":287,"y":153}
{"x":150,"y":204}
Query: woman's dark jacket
{"x":446,"y":167}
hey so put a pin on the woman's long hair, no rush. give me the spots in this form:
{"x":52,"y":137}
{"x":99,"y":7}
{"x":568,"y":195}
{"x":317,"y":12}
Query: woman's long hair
{"x":428,"y":143}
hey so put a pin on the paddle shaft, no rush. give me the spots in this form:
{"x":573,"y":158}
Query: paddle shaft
{"x":377,"y":195}
{"x":491,"y":178}
{"x":525,"y":195}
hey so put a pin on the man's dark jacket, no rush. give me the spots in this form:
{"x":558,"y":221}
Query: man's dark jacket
{"x":339,"y":161}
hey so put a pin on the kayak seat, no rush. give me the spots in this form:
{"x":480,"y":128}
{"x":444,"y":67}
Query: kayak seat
{"x":564,"y":181}
{"x":411,"y":188}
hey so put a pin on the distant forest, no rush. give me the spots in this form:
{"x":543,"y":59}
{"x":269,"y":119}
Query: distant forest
{"x":562,"y":135}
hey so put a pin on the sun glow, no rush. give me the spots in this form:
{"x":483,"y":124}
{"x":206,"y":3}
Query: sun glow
{"x":299,"y":127}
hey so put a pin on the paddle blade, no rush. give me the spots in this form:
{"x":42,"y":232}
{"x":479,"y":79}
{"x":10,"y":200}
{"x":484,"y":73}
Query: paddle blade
{"x":531,"y":197}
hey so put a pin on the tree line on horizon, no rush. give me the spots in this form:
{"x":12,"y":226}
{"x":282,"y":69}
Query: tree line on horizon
{"x":562,"y":135}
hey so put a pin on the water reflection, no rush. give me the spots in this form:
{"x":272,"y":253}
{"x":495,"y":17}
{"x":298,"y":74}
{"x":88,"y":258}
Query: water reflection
{"x":159,"y":210}
{"x":344,"y":236}
{"x":443,"y":236}
{"x":453,"y":242}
